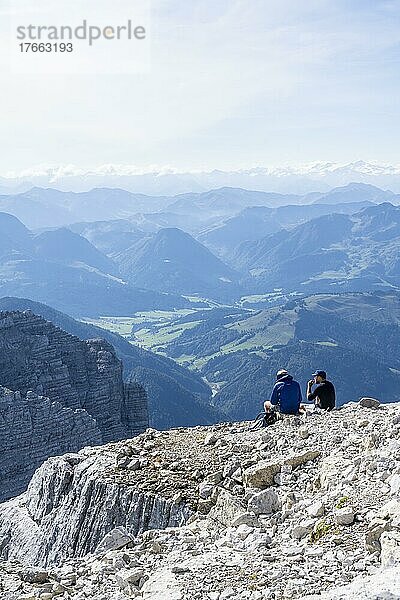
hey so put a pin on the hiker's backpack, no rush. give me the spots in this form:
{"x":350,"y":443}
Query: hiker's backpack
{"x":264,"y":419}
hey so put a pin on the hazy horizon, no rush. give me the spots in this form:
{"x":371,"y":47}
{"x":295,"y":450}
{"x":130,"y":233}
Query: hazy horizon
{"x":156,"y":180}
{"x":230,"y":85}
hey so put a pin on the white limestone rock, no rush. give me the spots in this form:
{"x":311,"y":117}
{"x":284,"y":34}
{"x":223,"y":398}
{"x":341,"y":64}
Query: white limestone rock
{"x":129,"y":576}
{"x":384,"y":585}
{"x":345,"y":515}
{"x":394,"y":483}
{"x":34,"y":575}
{"x":297,"y":551}
{"x":210,"y":439}
{"x":261,"y":475}
{"x":264,"y":502}
{"x":246,"y":518}
{"x":316,"y":509}
{"x":303,"y":528}
{"x":114,"y":540}
{"x":227,"y":509}
{"x":390,"y":548}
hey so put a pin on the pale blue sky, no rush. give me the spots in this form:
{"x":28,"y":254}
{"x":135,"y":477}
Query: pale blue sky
{"x":233,"y":83}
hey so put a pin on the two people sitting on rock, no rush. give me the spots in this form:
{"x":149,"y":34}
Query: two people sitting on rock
{"x":286,"y":396}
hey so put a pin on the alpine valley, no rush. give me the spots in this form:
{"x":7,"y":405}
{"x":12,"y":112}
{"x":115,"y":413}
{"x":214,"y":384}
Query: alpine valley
{"x":138,"y":336}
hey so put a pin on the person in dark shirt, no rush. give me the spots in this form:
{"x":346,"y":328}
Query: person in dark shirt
{"x":286,"y":395}
{"x":323,"y":395}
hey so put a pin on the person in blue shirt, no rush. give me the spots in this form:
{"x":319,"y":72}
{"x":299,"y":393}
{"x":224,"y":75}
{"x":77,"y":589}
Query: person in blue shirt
{"x":286,"y":396}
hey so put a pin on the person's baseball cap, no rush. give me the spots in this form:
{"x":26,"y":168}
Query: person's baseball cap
{"x":281,"y":373}
{"x":320,"y":373}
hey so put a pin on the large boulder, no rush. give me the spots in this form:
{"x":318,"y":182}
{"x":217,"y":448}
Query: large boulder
{"x":114,"y":540}
{"x":298,"y":459}
{"x":344,"y":516}
{"x":227,"y":508}
{"x":262,"y":474}
{"x":302,"y":529}
{"x":373,"y":535}
{"x":369,"y":403}
{"x":387,"y":519}
{"x":265,"y":502}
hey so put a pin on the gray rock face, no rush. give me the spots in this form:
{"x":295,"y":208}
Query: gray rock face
{"x":74,"y":396}
{"x":70,"y":506}
{"x":32,"y":428}
{"x":263,"y":473}
{"x":344,"y":516}
{"x":36,"y":355}
{"x":227,"y":508}
{"x":114,"y":540}
{"x":134,"y":412}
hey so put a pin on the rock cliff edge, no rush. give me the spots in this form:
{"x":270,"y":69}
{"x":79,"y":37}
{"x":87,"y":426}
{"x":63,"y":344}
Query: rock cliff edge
{"x":309,"y":508}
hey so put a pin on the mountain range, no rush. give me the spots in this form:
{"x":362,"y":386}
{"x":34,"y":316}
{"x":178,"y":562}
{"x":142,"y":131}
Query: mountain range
{"x":47,"y":207}
{"x":331,"y":253}
{"x":113,"y":267}
{"x":270,"y":257}
{"x":64,"y":269}
{"x":256,"y":222}
{"x":172,"y":261}
{"x":350,"y":246}
{"x":302,"y":178}
{"x":139,"y":272}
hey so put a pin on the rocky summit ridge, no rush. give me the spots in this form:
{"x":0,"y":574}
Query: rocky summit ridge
{"x":307,"y":508}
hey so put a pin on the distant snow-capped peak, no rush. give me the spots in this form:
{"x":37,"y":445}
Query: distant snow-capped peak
{"x":170,"y":180}
{"x":319,"y":169}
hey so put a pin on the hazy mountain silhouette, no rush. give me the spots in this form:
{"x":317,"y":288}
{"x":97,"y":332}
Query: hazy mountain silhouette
{"x":65,"y":270}
{"x":173,"y":260}
{"x":336,"y":252}
{"x":47,"y":207}
{"x":256,"y":222}
{"x":355,"y":192}
{"x":295,"y":179}
{"x":109,"y":237}
{"x":64,"y":246}
{"x":14,"y":236}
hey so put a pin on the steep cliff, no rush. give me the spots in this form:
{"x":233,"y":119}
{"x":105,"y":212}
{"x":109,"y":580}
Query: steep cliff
{"x":74,"y":500}
{"x":300,"y":509}
{"x":177,"y":397}
{"x":77,"y":378}
{"x":36,"y":355}
{"x":33,"y":428}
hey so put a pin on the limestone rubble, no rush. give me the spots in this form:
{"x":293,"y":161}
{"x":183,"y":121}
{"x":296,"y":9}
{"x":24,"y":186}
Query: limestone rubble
{"x":177,"y":515}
